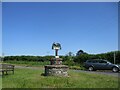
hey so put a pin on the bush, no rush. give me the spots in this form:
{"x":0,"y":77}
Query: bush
{"x":81,"y":58}
{"x":76,"y":67}
{"x":69,"y":62}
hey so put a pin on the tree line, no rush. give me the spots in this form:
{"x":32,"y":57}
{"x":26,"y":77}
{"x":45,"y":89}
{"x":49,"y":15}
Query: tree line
{"x":79,"y":58}
{"x":82,"y":56}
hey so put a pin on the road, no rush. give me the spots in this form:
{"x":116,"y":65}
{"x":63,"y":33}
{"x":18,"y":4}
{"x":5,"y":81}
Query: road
{"x":91,"y":72}
{"x":100,"y":72}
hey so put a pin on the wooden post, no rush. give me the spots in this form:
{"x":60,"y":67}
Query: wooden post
{"x":56,"y":52}
{"x":114,"y":58}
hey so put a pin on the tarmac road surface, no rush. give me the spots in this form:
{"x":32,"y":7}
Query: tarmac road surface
{"x":101,"y":72}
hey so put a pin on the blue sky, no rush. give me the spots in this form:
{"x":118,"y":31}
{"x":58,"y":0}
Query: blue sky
{"x":31,"y":28}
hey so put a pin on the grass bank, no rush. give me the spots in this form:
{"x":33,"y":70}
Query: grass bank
{"x":29,"y":78}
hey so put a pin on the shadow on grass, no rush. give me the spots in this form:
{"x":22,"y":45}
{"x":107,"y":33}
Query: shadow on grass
{"x":43,"y":74}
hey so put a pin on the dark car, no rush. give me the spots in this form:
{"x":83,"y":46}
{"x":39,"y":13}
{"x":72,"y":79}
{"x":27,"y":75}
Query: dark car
{"x":98,"y":64}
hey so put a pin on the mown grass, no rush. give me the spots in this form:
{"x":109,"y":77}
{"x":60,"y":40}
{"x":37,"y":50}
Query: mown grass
{"x":30,"y":78}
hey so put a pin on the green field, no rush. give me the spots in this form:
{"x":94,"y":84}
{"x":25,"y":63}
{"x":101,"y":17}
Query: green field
{"x":27,"y":63}
{"x":33,"y":78}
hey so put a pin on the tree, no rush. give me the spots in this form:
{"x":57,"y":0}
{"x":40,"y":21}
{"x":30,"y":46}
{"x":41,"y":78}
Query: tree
{"x":80,"y":52}
{"x":70,"y":54}
{"x":81,"y":58}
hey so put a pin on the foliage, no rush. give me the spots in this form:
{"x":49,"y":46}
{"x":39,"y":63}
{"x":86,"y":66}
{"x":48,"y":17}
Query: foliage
{"x":69,"y":59}
{"x":81,"y":58}
{"x":70,"y":54}
{"x":77,"y":67}
{"x":28,"y":58}
{"x":107,"y":56}
{"x":69,"y":62}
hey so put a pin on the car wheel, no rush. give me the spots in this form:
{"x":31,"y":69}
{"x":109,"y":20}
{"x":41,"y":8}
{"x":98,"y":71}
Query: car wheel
{"x":115,"y":69}
{"x":90,"y":68}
